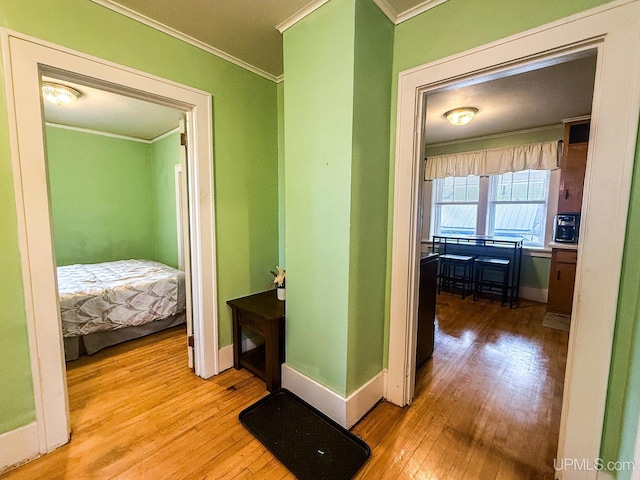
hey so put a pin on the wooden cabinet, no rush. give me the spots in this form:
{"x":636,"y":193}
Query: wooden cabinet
{"x":561,"y":281}
{"x":426,"y":307}
{"x":572,"y":171}
{"x":261,"y":314}
{"x":573,"y":166}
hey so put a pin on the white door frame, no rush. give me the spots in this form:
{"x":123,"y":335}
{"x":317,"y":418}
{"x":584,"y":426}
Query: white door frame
{"x":615,"y":31}
{"x":24,"y":58}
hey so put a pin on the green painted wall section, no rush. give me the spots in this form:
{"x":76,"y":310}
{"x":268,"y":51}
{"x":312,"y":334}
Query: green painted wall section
{"x":535,"y":272}
{"x":101,"y":197}
{"x":623,"y":399}
{"x":281,"y":176}
{"x":245,"y":160}
{"x":17,"y":405}
{"x":369,"y":193}
{"x":165,"y":156}
{"x":318,"y":120}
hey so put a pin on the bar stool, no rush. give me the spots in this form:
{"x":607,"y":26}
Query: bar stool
{"x":456,"y":270}
{"x":486,"y":265}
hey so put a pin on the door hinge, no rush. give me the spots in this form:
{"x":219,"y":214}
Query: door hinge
{"x":183,"y":139}
{"x":190,"y":341}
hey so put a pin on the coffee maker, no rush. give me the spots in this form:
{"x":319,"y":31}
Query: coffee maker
{"x":566,"y":228}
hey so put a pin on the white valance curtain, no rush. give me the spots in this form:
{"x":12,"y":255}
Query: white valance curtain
{"x":533,"y":156}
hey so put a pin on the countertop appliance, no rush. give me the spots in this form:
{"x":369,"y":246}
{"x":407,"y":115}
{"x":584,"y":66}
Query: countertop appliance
{"x":566,"y":228}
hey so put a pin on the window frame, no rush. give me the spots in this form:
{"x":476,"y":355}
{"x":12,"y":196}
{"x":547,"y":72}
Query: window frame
{"x":429,"y":225}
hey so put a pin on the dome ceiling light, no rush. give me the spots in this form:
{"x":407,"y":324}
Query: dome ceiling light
{"x":460,"y":116}
{"x":59,"y":94}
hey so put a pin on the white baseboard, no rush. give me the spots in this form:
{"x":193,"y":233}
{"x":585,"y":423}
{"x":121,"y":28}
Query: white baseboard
{"x":534,"y":294}
{"x":225,"y":354}
{"x":18,"y":446}
{"x":225,"y":358}
{"x":344,"y":411}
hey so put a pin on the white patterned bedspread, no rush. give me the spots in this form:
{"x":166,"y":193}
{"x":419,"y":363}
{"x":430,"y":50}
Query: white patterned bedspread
{"x":113,"y":295}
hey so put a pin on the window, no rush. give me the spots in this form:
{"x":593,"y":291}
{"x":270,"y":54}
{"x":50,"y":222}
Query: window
{"x":507,"y":205}
{"x":456,"y":205}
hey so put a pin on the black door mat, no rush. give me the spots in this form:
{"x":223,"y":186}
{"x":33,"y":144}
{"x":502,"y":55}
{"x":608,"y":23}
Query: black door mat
{"x":307,"y":442}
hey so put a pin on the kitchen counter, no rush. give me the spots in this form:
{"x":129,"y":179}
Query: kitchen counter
{"x":563,"y":246}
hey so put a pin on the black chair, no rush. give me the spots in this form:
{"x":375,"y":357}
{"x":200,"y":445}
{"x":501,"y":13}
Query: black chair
{"x":456,"y":270}
{"x":485,"y":281}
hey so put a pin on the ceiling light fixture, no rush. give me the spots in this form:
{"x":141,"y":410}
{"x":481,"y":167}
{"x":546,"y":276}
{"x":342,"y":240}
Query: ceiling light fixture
{"x":59,"y":94}
{"x":460,"y":116}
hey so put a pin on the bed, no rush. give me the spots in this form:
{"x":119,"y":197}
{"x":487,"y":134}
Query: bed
{"x":107,"y":303}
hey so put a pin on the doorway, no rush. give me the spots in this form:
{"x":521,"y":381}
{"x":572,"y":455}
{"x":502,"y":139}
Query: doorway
{"x":26,"y":61}
{"x":116,"y":208}
{"x":605,"y":202}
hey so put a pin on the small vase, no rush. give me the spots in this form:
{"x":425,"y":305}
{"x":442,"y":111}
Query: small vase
{"x":281,"y":292}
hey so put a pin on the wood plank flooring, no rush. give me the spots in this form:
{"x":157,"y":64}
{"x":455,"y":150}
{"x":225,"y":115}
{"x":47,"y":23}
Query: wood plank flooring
{"x":487,"y":407}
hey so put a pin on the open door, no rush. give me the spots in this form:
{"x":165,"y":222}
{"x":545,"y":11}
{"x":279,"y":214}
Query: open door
{"x":182,"y":219}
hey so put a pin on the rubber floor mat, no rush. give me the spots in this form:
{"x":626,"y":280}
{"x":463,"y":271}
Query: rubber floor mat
{"x":307,"y":442}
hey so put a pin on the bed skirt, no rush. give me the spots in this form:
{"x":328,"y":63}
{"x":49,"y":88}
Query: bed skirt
{"x":94,"y":342}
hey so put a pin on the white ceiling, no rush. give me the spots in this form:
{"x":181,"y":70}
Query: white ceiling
{"x":107,"y":112}
{"x":537,"y":98}
{"x":245,"y":29}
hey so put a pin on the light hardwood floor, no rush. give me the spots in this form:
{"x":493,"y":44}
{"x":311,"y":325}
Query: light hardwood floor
{"x":487,"y":406}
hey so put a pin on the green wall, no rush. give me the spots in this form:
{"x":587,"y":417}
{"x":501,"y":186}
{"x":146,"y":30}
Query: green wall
{"x":245,"y":165}
{"x":623,"y":400}
{"x":112,"y":198}
{"x":369,"y":193}
{"x":336,"y":114}
{"x":165,"y":155}
{"x":281,"y":183}
{"x":318,"y":109}
{"x":101,"y":197}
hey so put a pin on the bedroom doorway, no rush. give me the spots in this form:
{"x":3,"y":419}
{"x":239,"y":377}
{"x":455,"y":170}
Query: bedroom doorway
{"x":118,"y":211}
{"x":25,"y":61}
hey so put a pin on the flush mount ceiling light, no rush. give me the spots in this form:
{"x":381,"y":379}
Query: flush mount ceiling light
{"x":59,"y":94}
{"x":460,"y":116}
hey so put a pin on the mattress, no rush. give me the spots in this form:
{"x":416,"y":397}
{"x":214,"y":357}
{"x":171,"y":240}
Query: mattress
{"x":109,"y":296}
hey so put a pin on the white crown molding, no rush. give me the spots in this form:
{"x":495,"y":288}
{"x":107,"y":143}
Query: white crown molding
{"x":399,"y":17}
{"x":300,"y":14}
{"x":104,"y":134}
{"x":127,"y":12}
{"x":387,"y":9}
{"x":417,"y":10}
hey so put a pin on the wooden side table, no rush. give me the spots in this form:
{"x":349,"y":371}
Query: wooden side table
{"x":261,"y":314}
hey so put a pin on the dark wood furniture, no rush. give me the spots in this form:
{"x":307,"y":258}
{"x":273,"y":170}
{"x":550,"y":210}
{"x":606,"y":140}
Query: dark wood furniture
{"x":561,"y":281}
{"x":488,"y":247}
{"x":261,"y":314}
{"x":426,"y":307}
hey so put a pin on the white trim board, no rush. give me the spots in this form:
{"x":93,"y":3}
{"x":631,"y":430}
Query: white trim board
{"x":112,"y":135}
{"x":344,"y":411}
{"x":25,"y":59}
{"x":18,"y":446}
{"x":614,"y":31}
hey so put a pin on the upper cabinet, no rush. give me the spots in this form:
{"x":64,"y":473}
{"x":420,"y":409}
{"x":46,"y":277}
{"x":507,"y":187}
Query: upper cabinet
{"x":573,"y":166}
